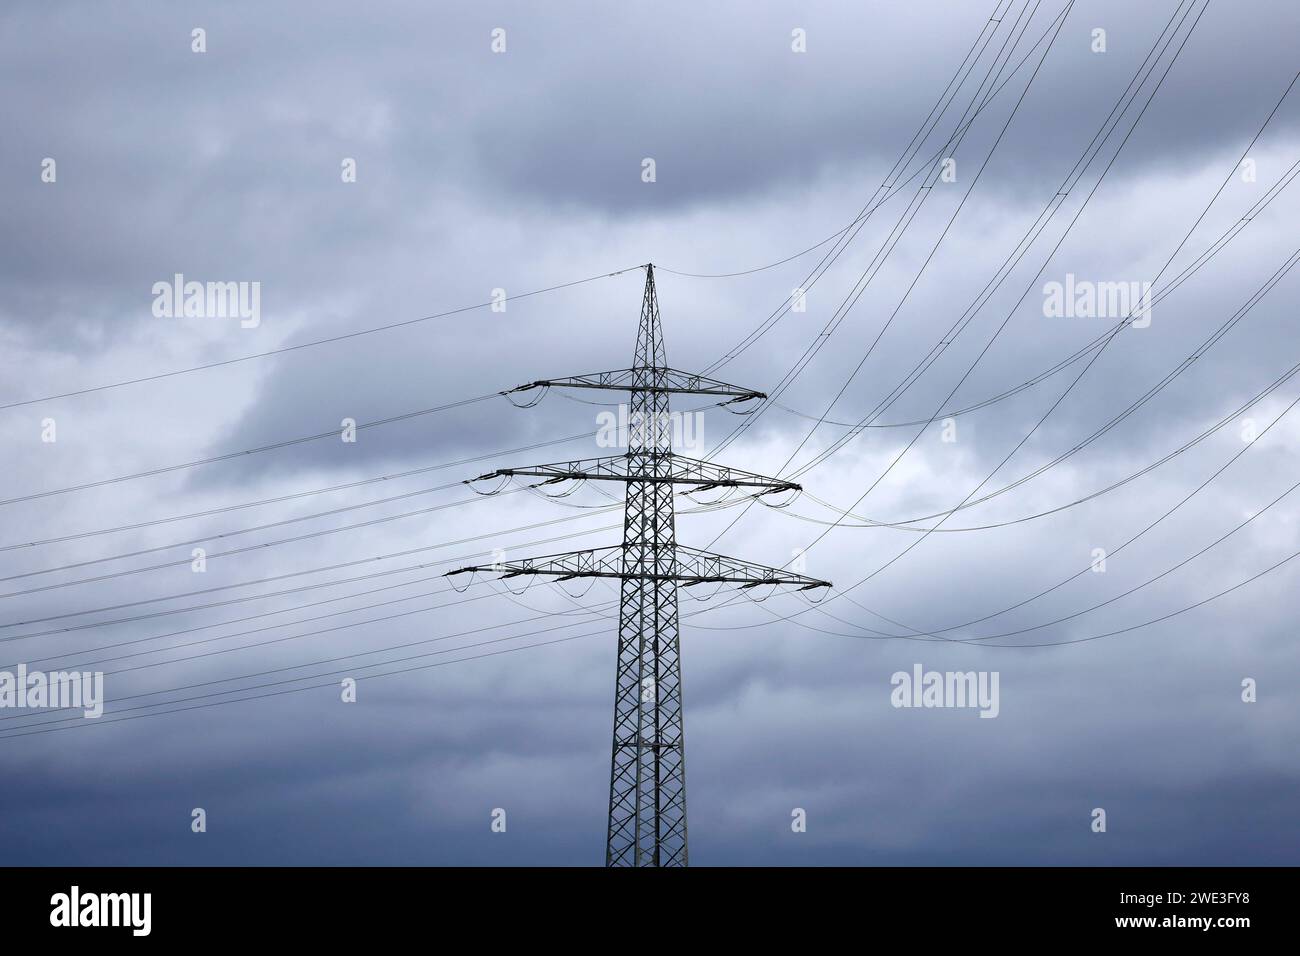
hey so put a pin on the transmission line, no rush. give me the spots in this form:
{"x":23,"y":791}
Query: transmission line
{"x":306,"y":345}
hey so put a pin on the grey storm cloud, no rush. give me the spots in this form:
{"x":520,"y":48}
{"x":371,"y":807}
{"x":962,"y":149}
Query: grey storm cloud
{"x":520,"y":172}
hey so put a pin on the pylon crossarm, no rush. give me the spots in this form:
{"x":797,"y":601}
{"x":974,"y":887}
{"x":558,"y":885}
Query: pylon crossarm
{"x":666,"y":468}
{"x":712,"y":566}
{"x":689,"y":566}
{"x":648,"y":379}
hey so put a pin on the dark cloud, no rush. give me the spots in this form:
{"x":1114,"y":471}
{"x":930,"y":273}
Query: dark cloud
{"x":479,"y":172}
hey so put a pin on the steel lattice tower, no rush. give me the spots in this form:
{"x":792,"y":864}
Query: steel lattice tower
{"x":647,"y":783}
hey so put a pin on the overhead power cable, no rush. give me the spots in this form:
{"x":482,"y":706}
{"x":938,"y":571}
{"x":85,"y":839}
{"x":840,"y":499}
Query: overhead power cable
{"x":918,"y":139}
{"x":267,"y":579}
{"x":316,"y":663}
{"x":955,"y":137}
{"x":273,"y":446}
{"x":306,"y":345}
{"x":135,"y":642}
{"x":1011,"y":312}
{"x":905,"y":524}
{"x":1093,"y":347}
{"x":1046,"y":215}
{"x":280,"y":499}
{"x":332,"y":684}
{"x":1039,"y":224}
{"x":252,"y":529}
{"x":79,"y":722}
{"x":1281,"y":272}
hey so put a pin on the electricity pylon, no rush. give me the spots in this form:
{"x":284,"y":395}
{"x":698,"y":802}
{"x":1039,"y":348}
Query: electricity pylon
{"x":647,"y":781}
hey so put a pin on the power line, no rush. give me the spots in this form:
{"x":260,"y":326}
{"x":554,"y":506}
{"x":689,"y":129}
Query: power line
{"x":268,"y":544}
{"x":1100,"y":342}
{"x":955,"y":137}
{"x":1255,"y":297}
{"x":283,"y":669}
{"x":251,"y":529}
{"x":263,"y":580}
{"x":1110,"y":552}
{"x":1004,"y":270}
{"x":913,"y":146}
{"x":78,"y":722}
{"x":113,"y":575}
{"x":279,"y":499}
{"x":1268,"y":285}
{"x":1273,"y":280}
{"x":306,"y":345}
{"x":1276,"y":277}
{"x":290,"y":574}
{"x":988,"y":345}
{"x":904,"y":524}
{"x":331,"y":684}
{"x":100,"y":648}
{"x":817,"y":344}
{"x":318,"y":663}
{"x":841,"y":312}
{"x":332,"y":433}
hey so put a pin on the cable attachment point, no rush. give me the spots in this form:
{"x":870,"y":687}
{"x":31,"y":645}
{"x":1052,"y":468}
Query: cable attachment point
{"x":544,"y":386}
{"x":505,"y":480}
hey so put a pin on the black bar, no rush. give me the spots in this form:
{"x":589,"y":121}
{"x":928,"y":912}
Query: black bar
{"x":915,"y":906}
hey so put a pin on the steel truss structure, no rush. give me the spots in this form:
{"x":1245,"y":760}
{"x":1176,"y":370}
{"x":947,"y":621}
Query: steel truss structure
{"x":647,"y":785}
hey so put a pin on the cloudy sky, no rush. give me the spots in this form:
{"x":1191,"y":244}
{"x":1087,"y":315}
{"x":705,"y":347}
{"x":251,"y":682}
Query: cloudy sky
{"x":1144,"y":154}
